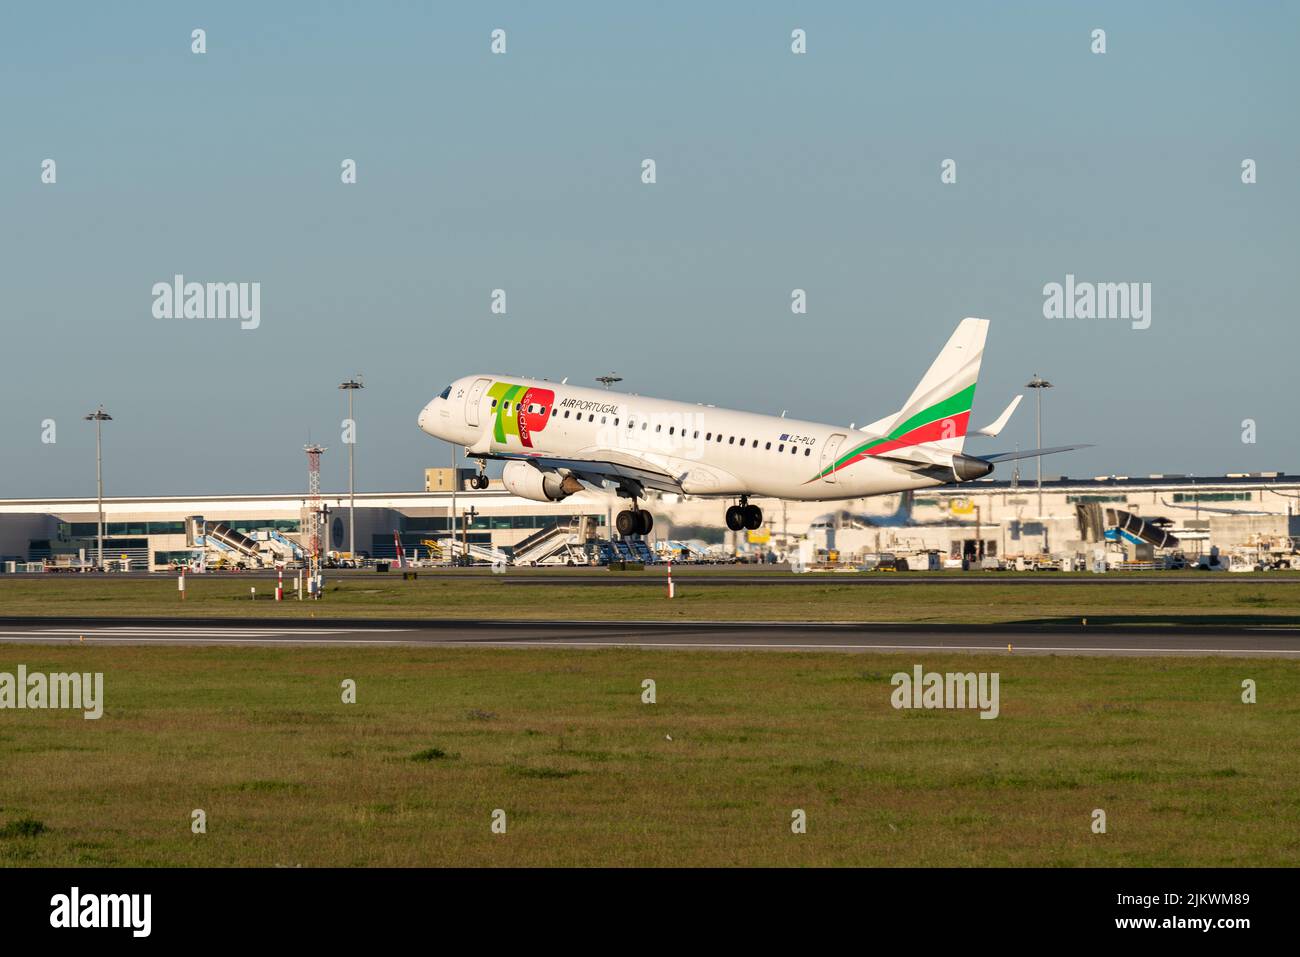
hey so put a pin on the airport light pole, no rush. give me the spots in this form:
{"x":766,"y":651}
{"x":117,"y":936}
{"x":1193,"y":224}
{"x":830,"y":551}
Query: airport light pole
{"x":1038,"y":384}
{"x":470,"y":515}
{"x":99,"y":417}
{"x":351,"y":386}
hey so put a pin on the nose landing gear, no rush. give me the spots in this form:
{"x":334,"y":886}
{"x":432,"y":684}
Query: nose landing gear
{"x":744,"y":516}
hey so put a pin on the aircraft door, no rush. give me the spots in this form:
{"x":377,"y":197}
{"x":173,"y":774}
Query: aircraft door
{"x":830,"y":452}
{"x":472,"y":401}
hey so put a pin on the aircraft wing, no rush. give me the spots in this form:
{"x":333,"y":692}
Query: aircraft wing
{"x":617,"y":467}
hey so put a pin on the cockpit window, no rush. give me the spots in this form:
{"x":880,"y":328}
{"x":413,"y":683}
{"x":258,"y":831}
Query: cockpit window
{"x":445,"y":393}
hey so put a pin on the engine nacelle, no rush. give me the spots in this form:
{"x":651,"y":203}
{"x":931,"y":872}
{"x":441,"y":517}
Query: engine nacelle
{"x":966,"y":468}
{"x":539,"y":485}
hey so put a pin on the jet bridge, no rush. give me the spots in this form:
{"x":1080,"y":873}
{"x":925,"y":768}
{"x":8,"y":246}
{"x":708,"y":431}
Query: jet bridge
{"x":1117,"y":525}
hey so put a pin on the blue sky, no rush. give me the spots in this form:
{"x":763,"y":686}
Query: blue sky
{"x":522,"y":172}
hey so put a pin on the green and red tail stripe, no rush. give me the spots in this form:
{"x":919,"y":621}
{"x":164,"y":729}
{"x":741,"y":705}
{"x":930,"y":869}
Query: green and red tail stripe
{"x":943,"y":420}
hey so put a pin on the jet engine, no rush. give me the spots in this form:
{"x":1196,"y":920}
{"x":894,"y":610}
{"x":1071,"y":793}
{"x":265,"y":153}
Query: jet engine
{"x":966,"y":468}
{"x":539,"y":485}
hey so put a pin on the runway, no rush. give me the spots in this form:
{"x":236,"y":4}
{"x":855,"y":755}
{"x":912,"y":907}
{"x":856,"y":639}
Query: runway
{"x":1249,"y":641}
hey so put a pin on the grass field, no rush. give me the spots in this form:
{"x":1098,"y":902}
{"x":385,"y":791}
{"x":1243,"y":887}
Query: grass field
{"x":1230,"y":599}
{"x":587,"y":774}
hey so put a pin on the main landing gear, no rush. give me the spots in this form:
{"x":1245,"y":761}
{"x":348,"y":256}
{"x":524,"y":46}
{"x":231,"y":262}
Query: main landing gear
{"x":480,"y":481}
{"x":634,"y":521}
{"x":744,"y":515}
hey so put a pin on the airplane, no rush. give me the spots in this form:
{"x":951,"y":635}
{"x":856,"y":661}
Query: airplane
{"x":557,"y":439}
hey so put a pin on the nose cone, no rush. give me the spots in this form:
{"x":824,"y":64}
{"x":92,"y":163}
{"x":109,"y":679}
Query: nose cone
{"x":426,"y":418}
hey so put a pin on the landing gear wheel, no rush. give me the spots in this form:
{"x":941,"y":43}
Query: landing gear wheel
{"x":735,"y":518}
{"x":634,"y":522}
{"x":479,"y":482}
{"x":752,"y":516}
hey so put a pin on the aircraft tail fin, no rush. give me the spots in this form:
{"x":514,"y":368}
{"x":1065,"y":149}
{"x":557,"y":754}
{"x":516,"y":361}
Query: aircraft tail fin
{"x":937,"y":413}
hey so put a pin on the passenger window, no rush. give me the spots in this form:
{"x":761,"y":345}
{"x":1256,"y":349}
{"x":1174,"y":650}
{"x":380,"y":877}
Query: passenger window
{"x":672,"y":429}
{"x":708,"y":436}
{"x":697,"y":434}
{"x":659,"y":428}
{"x":493,"y":405}
{"x":566,"y":413}
{"x":731,"y":440}
{"x":616,"y":422}
{"x":781,"y":447}
{"x":742,"y":442}
{"x":807,"y":451}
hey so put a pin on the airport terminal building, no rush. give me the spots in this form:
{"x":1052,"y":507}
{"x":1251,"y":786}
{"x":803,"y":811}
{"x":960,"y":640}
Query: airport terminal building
{"x":982,"y":518}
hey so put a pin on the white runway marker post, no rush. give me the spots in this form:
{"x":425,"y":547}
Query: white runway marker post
{"x":180,"y":584}
{"x":672,"y":590}
{"x":279,"y":584}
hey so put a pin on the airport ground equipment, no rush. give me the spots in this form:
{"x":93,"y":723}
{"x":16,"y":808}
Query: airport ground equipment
{"x":674,"y":550}
{"x":633,"y":550}
{"x":280,"y":546}
{"x":476,"y":552}
{"x":564,"y":543}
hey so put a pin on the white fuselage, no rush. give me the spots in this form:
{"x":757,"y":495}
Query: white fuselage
{"x":710,"y":451}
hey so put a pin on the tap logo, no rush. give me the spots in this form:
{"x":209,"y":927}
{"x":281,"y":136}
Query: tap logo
{"x":519,"y":411}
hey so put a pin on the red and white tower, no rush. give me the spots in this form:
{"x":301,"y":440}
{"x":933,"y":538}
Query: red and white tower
{"x":314,"y":509}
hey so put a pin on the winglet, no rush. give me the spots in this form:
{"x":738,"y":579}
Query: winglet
{"x":1001,"y":422}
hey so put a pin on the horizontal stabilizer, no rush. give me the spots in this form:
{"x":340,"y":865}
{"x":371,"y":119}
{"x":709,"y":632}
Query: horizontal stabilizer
{"x":1030,"y":453}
